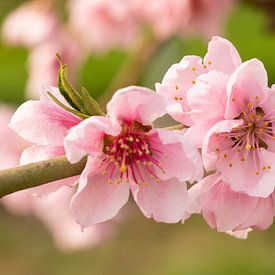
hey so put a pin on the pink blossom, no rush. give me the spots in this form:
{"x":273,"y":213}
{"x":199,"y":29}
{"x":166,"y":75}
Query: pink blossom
{"x":125,"y":154}
{"x":103,"y":24}
{"x":207,"y":17}
{"x":166,"y":18}
{"x":228,"y":211}
{"x":195,"y":87}
{"x":11,"y":145}
{"x":66,"y":232}
{"x":45,"y":124}
{"x":30,"y":24}
{"x":181,"y":17}
{"x":244,"y":140}
{"x":44,"y":65}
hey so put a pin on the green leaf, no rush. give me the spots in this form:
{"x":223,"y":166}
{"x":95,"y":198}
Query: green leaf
{"x":90,"y":103}
{"x":67,"y":90}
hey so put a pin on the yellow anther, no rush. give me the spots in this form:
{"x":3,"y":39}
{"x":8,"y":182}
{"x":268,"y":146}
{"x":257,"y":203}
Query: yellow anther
{"x":123,"y":168}
{"x":257,"y":173}
{"x":250,"y":105}
{"x":209,"y":62}
{"x":177,"y":87}
{"x":249,"y":124}
{"x":176,"y":98}
{"x":218,"y":150}
{"x":193,"y":82}
{"x":193,"y":69}
{"x":256,"y":97}
{"x":230,"y":165}
{"x":258,"y":117}
{"x":269,"y":167}
{"x":242,"y":159}
{"x":225,"y":156}
{"x":264,"y":168}
{"x":204,"y":66}
{"x":266,"y":123}
{"x":248,"y":147}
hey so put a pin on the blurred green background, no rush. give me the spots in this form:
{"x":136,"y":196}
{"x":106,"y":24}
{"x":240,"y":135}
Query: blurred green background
{"x":140,"y":246}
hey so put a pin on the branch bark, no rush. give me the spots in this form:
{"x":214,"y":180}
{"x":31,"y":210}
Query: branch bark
{"x":34,"y":174}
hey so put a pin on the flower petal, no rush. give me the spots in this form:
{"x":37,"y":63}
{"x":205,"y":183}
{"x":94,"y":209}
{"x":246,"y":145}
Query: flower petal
{"x":87,"y":137}
{"x":228,"y":210}
{"x":248,"y":84}
{"x":222,"y":56}
{"x":178,"y":157}
{"x":97,"y":201}
{"x":210,"y":143}
{"x":177,"y":81}
{"x":42,"y":122}
{"x":207,"y":98}
{"x":258,"y":182}
{"x":164,"y":202}
{"x":135,"y":104}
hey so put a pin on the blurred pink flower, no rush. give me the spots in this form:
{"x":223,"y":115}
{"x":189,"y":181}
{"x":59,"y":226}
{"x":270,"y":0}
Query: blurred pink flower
{"x":244,"y":139}
{"x":44,"y":65}
{"x":11,"y":145}
{"x":195,"y":87}
{"x":45,"y":124}
{"x":31,"y":24}
{"x":182,"y":17}
{"x":125,"y":154}
{"x":166,"y":18}
{"x":66,"y":232}
{"x":103,"y":24}
{"x":208,"y":17}
{"x":228,"y":211}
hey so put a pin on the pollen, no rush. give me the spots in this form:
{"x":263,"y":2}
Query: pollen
{"x":209,"y":62}
{"x":248,"y":147}
{"x":193,"y":82}
{"x":268,"y":167}
{"x":257,"y":173}
{"x":193,"y":69}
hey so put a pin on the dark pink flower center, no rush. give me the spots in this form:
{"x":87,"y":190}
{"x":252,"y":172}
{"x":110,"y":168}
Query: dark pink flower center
{"x":256,"y":132}
{"x":130,"y":154}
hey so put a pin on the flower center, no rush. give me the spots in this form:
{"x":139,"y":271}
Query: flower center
{"x":256,"y":132}
{"x":129,"y":154}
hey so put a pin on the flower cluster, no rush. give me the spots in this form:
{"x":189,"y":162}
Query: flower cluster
{"x":225,"y":110}
{"x":97,"y":26}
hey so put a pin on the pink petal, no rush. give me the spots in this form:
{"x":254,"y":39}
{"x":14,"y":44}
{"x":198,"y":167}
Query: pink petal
{"x":177,"y":81}
{"x":178,"y":158}
{"x":207,"y":98}
{"x":41,"y":152}
{"x":197,"y":132}
{"x":87,"y":137}
{"x":209,"y":155}
{"x":135,"y":104}
{"x":257,"y":182}
{"x":228,"y":210}
{"x":164,"y":202}
{"x":222,"y":56}
{"x":248,"y":84}
{"x":42,"y":123}
{"x":97,"y":201}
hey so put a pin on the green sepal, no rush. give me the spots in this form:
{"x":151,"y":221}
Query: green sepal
{"x":67,"y":90}
{"x":63,"y":106}
{"x":90,"y":104}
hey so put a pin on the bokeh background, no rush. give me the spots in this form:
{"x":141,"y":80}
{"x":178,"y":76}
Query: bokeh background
{"x":139,"y":245}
